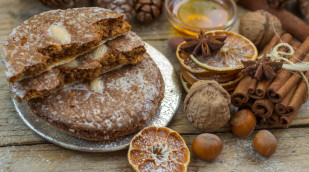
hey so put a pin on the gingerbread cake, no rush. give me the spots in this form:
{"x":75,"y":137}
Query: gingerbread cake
{"x":112,"y":105}
{"x":58,"y":36}
{"x":125,"y":49}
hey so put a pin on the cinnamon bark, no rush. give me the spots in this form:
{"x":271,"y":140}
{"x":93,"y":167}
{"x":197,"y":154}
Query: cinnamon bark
{"x":261,"y":88}
{"x":275,"y":40}
{"x":288,"y":85}
{"x":258,"y":91}
{"x":290,"y":22}
{"x":281,"y":108}
{"x":285,"y":121}
{"x":273,"y":120}
{"x":240,"y":94}
{"x":252,"y":88}
{"x":283,"y":75}
{"x":263,"y":108}
{"x":249,"y":104}
{"x":299,"y":98}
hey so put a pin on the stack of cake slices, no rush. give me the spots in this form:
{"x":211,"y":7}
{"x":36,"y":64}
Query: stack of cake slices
{"x":83,"y":72}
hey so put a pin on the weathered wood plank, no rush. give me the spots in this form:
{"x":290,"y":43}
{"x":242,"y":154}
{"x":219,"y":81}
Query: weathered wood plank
{"x":237,"y":155}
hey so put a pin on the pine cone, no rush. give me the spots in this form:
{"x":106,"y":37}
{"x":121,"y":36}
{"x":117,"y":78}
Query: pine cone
{"x":277,"y":4}
{"x":304,"y":8}
{"x":65,"y":3}
{"x":122,"y":6}
{"x":148,"y":10}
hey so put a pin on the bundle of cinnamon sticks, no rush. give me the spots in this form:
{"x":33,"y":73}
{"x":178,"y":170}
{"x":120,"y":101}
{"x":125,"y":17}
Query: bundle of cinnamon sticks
{"x":277,"y":101}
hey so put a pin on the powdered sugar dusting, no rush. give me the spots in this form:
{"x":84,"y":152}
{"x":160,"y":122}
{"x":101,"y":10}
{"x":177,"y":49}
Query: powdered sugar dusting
{"x":38,"y":85}
{"x":48,"y":81}
{"x":124,"y":98}
{"x":24,"y":43}
{"x":121,"y":43}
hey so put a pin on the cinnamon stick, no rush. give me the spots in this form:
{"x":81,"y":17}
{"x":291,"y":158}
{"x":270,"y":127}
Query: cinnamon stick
{"x":281,"y":108}
{"x":290,"y":22}
{"x":240,"y":94}
{"x":299,"y":98}
{"x":273,"y":120}
{"x":283,"y":75}
{"x":288,"y":85}
{"x":258,"y":91}
{"x":263,"y":108}
{"x":275,"y":40}
{"x":261,"y":88}
{"x":249,"y":104}
{"x":252,"y":87}
{"x":285,"y":121}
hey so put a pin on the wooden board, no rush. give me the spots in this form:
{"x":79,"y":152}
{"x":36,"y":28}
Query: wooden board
{"x":23,"y":150}
{"x":237,"y":155}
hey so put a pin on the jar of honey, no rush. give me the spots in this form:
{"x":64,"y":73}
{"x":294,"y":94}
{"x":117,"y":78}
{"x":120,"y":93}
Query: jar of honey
{"x":191,"y":16}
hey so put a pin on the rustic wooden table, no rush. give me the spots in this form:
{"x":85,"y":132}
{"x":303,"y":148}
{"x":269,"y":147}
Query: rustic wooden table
{"x":23,"y":150}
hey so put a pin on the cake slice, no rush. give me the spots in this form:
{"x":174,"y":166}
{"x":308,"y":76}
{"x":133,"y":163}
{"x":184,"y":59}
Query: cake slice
{"x":112,"y":105}
{"x":126,"y":49}
{"x":56,"y":37}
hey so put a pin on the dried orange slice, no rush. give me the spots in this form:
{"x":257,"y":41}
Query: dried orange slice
{"x":158,"y":149}
{"x":221,"y":78}
{"x":235,"y":49}
{"x":228,"y":86}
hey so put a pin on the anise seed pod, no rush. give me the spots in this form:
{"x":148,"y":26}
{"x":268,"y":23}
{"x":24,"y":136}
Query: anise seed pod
{"x":148,"y":10}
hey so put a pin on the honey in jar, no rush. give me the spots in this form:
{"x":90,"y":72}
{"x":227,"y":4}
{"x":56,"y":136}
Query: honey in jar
{"x":201,"y":13}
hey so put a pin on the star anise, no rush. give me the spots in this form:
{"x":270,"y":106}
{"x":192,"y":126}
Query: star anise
{"x":261,"y":69}
{"x":204,"y":45}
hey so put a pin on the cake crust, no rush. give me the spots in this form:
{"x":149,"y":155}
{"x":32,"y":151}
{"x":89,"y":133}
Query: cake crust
{"x":55,"y":37}
{"x":115,"y":104}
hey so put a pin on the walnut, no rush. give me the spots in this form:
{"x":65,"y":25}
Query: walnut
{"x":259,"y":26}
{"x":207,"y":105}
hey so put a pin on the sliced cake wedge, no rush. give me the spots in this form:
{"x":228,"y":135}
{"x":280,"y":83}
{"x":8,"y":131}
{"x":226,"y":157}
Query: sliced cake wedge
{"x":55,"y":37}
{"x":125,"y":49}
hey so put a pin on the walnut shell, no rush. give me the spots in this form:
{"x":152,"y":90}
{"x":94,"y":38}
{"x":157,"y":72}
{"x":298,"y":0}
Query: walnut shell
{"x":207,"y":105}
{"x":260,"y":27}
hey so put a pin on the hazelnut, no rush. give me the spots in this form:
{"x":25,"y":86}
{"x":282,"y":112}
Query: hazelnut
{"x":265,"y":143}
{"x":207,"y":146}
{"x":243,"y":123}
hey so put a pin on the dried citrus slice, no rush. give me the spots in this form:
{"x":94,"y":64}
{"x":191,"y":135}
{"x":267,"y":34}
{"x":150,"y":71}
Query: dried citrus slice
{"x":221,"y":78}
{"x":228,"y":86}
{"x":187,"y":63}
{"x":235,"y":49}
{"x":158,"y":149}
